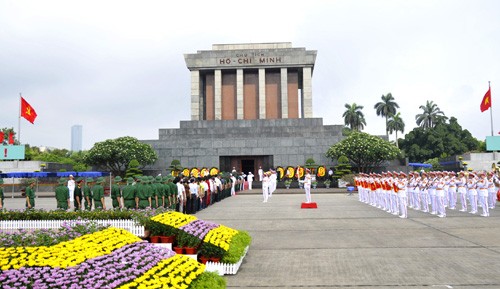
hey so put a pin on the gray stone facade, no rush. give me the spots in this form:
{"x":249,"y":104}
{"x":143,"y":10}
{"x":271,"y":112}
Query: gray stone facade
{"x":284,"y":137}
{"x":288,"y":141}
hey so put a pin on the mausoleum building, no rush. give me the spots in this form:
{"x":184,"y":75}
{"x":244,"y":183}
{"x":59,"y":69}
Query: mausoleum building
{"x":251,"y":106}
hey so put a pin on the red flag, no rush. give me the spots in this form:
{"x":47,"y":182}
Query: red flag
{"x":2,"y":137}
{"x":11,"y":137}
{"x":486,"y":103}
{"x":27,"y":111}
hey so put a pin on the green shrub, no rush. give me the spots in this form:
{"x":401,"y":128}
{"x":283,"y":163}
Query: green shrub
{"x":237,"y":247}
{"x":208,"y":280}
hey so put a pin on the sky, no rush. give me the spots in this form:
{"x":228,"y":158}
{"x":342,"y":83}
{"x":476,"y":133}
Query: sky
{"x":117,"y":67}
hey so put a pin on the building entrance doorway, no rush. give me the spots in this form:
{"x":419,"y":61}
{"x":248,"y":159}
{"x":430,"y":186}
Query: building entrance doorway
{"x":247,"y":166}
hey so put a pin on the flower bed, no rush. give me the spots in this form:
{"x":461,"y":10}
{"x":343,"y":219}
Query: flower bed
{"x":219,"y":241}
{"x":111,"y":258}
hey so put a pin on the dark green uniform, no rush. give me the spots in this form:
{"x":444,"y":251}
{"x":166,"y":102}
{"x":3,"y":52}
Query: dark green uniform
{"x":116,"y":193}
{"x":30,"y":194}
{"x":1,"y":193}
{"x":98,"y":196}
{"x":62,"y":196}
{"x":159,"y":192}
{"x":144,"y":196}
{"x":87,"y":195}
{"x":129,"y":195}
{"x":78,"y":197}
{"x":173,"y":194}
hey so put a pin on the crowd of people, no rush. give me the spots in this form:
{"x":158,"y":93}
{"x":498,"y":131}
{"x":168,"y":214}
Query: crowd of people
{"x":432,"y":192}
{"x":183,"y":194}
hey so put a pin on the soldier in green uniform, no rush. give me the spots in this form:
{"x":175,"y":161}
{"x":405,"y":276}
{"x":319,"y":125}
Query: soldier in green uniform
{"x":87,"y":194}
{"x":62,"y":195}
{"x":130,"y":200}
{"x":152,"y":191}
{"x":98,"y":194}
{"x":116,"y":193}
{"x":30,"y":194}
{"x":173,"y":193}
{"x":77,"y":202}
{"x":1,"y":194}
{"x":166,"y":192}
{"x":160,"y":194}
{"x":143,"y":193}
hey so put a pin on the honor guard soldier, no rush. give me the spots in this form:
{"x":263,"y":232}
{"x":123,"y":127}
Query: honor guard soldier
{"x":30,"y":194}
{"x":116,"y":193}
{"x":129,"y":193}
{"x":98,"y":195}
{"x":143,"y":193}
{"x":87,"y":194}
{"x":62,"y":195}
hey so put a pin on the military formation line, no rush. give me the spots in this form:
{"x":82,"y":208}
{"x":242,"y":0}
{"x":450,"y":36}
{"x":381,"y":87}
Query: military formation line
{"x":430,"y":192}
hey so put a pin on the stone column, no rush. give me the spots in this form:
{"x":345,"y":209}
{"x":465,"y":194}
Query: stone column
{"x":195,"y":95}
{"x":307,"y":93}
{"x":284,"y":93}
{"x":239,"y":94}
{"x":218,"y":94}
{"x":262,"y":93}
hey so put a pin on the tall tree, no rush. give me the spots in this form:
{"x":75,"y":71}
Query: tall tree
{"x":116,"y":154}
{"x":386,"y":108}
{"x":430,"y":116}
{"x":396,"y":124}
{"x":353,"y":117}
{"x":440,"y":141}
{"x":366,"y":151}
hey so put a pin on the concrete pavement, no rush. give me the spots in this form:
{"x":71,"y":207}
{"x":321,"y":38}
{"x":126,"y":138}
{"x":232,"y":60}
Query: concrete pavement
{"x":348,"y":244}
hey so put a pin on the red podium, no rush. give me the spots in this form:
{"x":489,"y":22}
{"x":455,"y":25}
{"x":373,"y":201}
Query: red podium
{"x":309,"y":206}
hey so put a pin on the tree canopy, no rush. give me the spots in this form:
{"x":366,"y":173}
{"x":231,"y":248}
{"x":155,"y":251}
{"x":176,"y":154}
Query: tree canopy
{"x":386,"y":108}
{"x":354,"y":117}
{"x":364,"y":150}
{"x":396,"y":124}
{"x":445,"y":139}
{"x":431,"y":115}
{"x":115,"y":154}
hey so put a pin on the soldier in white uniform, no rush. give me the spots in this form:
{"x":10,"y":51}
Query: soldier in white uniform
{"x":261,"y":174}
{"x":471,"y":185}
{"x":401,"y":185}
{"x":482,"y":185}
{"x":265,"y":187}
{"x":307,"y":185}
{"x":250,"y":180}
{"x":462,"y":190}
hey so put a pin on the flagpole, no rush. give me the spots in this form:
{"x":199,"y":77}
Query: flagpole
{"x":19,"y":121}
{"x":491,"y":109}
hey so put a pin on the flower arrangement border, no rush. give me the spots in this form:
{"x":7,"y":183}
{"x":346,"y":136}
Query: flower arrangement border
{"x":129,"y":225}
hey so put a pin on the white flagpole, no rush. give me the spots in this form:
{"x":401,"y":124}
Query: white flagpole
{"x":19,"y":121}
{"x":491,"y":109}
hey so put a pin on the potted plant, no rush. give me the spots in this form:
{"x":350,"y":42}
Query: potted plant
{"x":327,"y":183}
{"x":314,"y":184}
{"x":191,"y":243}
{"x":288,"y":182}
{"x":181,"y":242}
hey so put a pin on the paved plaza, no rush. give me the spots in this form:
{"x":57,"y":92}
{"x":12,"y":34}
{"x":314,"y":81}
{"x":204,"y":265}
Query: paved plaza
{"x":348,"y":244}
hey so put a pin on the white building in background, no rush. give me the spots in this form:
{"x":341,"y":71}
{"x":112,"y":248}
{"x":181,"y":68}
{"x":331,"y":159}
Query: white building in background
{"x":76,"y":138}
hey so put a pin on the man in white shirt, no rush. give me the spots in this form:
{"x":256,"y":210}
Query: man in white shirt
{"x":250,"y":180}
{"x":261,"y":174}
{"x":71,"y":187}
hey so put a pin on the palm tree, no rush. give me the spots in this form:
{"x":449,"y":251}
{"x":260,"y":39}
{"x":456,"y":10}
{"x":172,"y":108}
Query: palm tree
{"x":431,"y":116}
{"x":396,"y":124}
{"x":353,"y":117}
{"x":386,"y":108}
